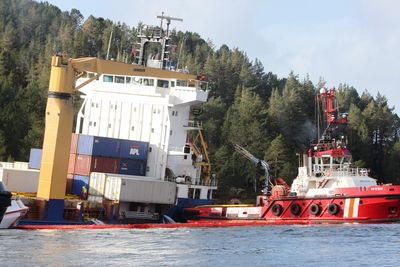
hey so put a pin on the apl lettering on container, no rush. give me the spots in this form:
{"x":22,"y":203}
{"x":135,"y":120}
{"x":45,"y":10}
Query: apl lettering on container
{"x":134,"y":150}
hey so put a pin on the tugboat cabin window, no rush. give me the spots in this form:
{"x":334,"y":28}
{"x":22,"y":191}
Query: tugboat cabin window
{"x":162,"y":83}
{"x":108,"y":78}
{"x":172,"y":84}
{"x":127,"y":79}
{"x":119,"y":79}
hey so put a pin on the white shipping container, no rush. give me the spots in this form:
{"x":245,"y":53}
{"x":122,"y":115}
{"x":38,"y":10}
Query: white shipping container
{"x":131,"y":189}
{"x":17,"y":180}
{"x":97,"y":183}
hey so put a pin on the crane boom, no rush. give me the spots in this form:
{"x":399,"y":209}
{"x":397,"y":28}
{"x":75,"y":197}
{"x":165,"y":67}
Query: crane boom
{"x":257,"y":162}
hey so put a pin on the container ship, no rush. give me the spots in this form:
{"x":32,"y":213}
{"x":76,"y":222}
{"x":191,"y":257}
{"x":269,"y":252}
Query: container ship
{"x":328,"y":189}
{"x":137,"y":154}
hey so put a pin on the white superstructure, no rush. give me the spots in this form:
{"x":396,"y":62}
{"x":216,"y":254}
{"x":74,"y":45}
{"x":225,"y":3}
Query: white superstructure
{"x":151,"y":105}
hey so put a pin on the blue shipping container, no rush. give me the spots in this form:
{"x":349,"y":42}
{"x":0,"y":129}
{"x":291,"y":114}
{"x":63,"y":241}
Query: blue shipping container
{"x":35,"y":157}
{"x":132,"y":167}
{"x":99,"y":146}
{"x":134,"y":150}
{"x":85,"y":144}
{"x":78,"y":183}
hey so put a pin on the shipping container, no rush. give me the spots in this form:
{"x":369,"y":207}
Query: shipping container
{"x":70,"y":179}
{"x":97,"y":183}
{"x":74,"y":143}
{"x":35,"y":158}
{"x":98,"y":146}
{"x":71,"y":163}
{"x":132,"y":167}
{"x":129,"y":189}
{"x":134,"y":150}
{"x":85,"y":164}
{"x":20,"y":180}
{"x":78,"y":184}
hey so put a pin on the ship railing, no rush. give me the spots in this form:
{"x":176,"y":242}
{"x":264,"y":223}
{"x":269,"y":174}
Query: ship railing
{"x":195,"y":124}
{"x":211,"y":182}
{"x":352,"y":171}
{"x":150,"y":31}
{"x":192,"y":84}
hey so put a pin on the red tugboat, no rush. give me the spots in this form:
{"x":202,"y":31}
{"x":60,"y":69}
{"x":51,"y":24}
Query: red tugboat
{"x":327,"y":189}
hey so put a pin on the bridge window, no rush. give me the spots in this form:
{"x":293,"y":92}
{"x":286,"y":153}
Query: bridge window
{"x":108,"y":78}
{"x":127,"y":79}
{"x":182,"y":83}
{"x":192,"y":83}
{"x":119,"y":79}
{"x":162,"y":83}
{"x":148,"y":82}
{"x":137,"y":81}
{"x":172,"y":84}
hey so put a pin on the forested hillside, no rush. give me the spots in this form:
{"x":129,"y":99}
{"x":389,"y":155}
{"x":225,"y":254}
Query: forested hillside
{"x":273,"y":117}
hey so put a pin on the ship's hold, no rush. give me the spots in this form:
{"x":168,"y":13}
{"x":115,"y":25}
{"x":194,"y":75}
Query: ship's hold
{"x":132,"y":167}
{"x":80,"y":185}
{"x":134,"y":149}
{"x":98,"y":146}
{"x":20,"y":180}
{"x":35,"y":157}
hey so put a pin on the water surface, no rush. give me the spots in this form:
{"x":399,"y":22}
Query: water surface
{"x":322,"y":245}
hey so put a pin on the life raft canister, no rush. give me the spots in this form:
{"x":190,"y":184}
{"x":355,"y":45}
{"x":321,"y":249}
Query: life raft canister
{"x":276,"y":209}
{"x":295,"y":209}
{"x":315,"y":209}
{"x":333,"y":209}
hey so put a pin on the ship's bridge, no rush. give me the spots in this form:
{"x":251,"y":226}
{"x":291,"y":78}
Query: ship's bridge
{"x":177,"y":90}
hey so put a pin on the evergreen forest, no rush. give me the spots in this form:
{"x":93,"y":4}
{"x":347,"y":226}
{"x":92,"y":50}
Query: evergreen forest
{"x":272,"y":117}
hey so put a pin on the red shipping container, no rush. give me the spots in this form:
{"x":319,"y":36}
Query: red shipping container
{"x":74,"y":143}
{"x":71,"y":163}
{"x":85,"y":164}
{"x":68,"y":189}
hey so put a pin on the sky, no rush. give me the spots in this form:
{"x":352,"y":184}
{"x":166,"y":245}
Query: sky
{"x":354,"y":42}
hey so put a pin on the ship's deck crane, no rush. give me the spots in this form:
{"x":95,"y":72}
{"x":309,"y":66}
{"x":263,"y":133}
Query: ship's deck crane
{"x":259,"y":164}
{"x":59,"y":119}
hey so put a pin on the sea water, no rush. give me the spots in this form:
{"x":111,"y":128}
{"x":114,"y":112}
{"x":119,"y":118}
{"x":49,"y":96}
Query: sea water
{"x":313,"y":245}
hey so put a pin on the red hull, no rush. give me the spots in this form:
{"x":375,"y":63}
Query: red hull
{"x":361,"y":206}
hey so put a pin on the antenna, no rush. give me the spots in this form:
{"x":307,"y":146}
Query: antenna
{"x":168,"y":19}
